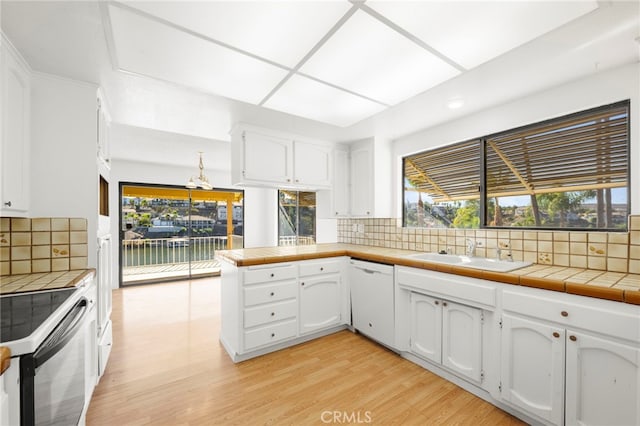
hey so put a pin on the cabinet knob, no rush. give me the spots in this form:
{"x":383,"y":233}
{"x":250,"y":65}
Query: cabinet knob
{"x":273,"y":314}
{"x":288,"y":180}
{"x":556,"y":334}
{"x":573,"y":338}
{"x":8,"y":203}
{"x":444,"y":303}
{"x":272,"y":275}
{"x":273,"y":334}
{"x":272,"y":294}
{"x":370,"y":325}
{"x":564,"y":313}
{"x":368,"y":212}
{"x":302,"y":284}
{"x":321,"y":268}
{"x":437,"y":303}
{"x":336,"y":213}
{"x":297,"y":180}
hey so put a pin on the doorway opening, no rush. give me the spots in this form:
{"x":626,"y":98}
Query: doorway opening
{"x":170,"y":232}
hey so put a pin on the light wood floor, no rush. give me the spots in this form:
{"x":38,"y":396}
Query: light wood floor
{"x":168,"y":368}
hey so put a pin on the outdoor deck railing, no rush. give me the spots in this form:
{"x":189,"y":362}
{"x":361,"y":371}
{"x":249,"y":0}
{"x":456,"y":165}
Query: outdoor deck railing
{"x":159,"y":251}
{"x":292,"y":240}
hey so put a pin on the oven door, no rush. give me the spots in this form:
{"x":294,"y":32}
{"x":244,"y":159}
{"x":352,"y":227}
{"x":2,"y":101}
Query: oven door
{"x":53,"y":377}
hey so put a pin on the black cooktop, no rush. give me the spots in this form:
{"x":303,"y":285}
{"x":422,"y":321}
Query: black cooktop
{"x":22,"y":314}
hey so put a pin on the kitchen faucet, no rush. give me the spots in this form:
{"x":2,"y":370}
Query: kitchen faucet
{"x":471,"y":247}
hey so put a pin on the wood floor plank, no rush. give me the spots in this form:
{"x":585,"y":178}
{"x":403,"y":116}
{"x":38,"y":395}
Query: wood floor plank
{"x":167,"y":367}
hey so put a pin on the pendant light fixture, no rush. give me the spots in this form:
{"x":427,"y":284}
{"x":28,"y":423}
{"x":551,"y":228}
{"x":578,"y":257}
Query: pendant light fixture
{"x":201,"y":180}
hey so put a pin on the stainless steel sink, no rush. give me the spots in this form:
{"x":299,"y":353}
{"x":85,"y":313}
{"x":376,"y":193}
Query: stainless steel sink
{"x":472,"y":262}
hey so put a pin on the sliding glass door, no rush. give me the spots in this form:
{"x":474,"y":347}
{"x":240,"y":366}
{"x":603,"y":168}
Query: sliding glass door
{"x":173,"y":232}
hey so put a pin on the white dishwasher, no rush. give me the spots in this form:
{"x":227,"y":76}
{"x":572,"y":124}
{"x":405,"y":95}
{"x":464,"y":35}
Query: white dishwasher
{"x":372,"y":300}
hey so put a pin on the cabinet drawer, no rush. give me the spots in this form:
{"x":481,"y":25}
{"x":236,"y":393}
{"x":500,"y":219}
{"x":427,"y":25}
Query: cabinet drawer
{"x":272,"y":312}
{"x":602,"y":316}
{"x":265,"y":274}
{"x":320,"y":267}
{"x":266,"y":293}
{"x":270,"y":334}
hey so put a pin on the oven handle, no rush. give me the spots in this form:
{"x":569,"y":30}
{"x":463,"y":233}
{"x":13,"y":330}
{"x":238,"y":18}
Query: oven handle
{"x":62,"y":334}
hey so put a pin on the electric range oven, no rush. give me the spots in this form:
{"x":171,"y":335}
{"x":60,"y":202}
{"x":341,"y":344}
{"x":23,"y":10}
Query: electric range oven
{"x":44,"y":332}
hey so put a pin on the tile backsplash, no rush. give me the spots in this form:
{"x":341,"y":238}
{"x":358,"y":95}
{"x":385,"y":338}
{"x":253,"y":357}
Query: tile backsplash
{"x":42,"y":245}
{"x":607,"y":251}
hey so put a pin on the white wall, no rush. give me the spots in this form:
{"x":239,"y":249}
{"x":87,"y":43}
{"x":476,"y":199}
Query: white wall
{"x":599,"y":89}
{"x":64,"y":177}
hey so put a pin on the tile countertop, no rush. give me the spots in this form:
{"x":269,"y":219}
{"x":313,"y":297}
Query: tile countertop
{"x":11,"y":284}
{"x":616,"y":286}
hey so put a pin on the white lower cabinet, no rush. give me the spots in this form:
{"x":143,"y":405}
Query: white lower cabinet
{"x":577,"y":365}
{"x":602,"y":381}
{"x":267,"y":307}
{"x":447,"y":333}
{"x":320,"y":302}
{"x":533,"y":367}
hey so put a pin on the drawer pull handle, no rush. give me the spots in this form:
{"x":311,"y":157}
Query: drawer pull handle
{"x":272,"y":294}
{"x":273,"y":314}
{"x":573,"y":338}
{"x":273,"y":334}
{"x":564,"y":313}
{"x":8,"y":203}
{"x":556,"y":334}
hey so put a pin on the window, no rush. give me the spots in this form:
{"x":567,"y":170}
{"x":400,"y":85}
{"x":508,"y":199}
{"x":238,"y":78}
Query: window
{"x":442,"y":187}
{"x":296,"y":218}
{"x":569,"y":172}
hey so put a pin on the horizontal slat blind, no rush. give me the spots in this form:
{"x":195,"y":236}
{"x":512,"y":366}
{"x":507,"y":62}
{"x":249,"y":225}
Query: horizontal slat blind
{"x":580,"y":152}
{"x":448,"y":173}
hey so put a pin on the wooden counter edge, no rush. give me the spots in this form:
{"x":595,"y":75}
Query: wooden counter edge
{"x":596,"y":291}
{"x":5,"y":359}
{"x":632,"y":296}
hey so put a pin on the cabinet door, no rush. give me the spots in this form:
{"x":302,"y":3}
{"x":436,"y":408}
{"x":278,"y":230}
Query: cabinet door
{"x":320,"y":305}
{"x":603,"y":381}
{"x":15,"y":137}
{"x":372,"y":302}
{"x":341,"y":183}
{"x":266,"y":158}
{"x":361,"y":182}
{"x":312,"y":164}
{"x":533,"y":367}
{"x":462,"y":339}
{"x":426,"y":327}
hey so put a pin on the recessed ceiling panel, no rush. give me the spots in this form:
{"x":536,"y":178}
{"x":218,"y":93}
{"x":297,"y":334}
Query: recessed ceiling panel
{"x":308,"y":98}
{"x":146,"y":47}
{"x":473,"y":32}
{"x":369,"y":58}
{"x":281,"y":31}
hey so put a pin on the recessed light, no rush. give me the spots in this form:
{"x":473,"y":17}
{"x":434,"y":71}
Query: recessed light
{"x":455,"y":103}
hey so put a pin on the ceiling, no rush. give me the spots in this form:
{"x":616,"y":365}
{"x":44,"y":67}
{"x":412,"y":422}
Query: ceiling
{"x":337,"y":69}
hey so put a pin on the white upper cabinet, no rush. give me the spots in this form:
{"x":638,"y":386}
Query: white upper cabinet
{"x":340,"y":183}
{"x":15,"y":146}
{"x":312,"y":164}
{"x":370,"y":178}
{"x":265,"y":157}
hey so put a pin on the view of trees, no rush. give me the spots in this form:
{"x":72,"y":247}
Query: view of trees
{"x":577,"y":209}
